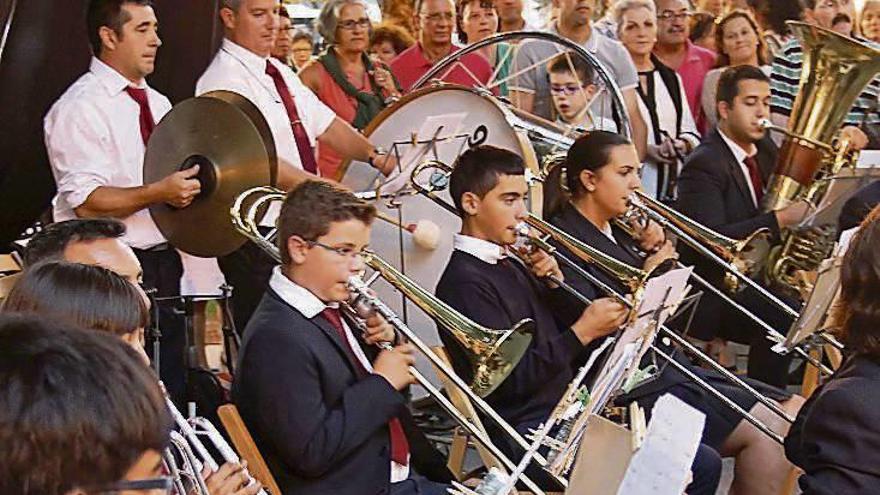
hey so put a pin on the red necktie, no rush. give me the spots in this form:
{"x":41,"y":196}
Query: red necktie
{"x":399,"y":443}
{"x":755,"y":176}
{"x":139,"y":95}
{"x":303,"y":145}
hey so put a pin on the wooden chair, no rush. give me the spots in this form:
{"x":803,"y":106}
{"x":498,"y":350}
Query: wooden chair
{"x":246,"y":447}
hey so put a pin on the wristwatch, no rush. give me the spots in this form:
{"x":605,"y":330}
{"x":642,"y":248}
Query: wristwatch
{"x":377,"y":151}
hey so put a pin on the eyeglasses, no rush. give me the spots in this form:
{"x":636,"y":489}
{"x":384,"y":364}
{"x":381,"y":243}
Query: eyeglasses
{"x":668,"y":16}
{"x":351,"y":24}
{"x":567,"y":89}
{"x":439,"y":17}
{"x":163,"y":484}
{"x":345,"y":252}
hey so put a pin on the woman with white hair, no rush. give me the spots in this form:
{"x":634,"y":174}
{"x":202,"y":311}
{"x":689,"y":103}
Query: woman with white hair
{"x":672,"y":133}
{"x":343,"y":76}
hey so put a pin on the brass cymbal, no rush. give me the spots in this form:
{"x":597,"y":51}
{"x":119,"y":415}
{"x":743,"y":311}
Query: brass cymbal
{"x":227,"y":136}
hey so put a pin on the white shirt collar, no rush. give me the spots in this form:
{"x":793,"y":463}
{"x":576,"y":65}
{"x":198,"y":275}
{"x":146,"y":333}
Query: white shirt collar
{"x":300,"y":298}
{"x":486,"y":251}
{"x":251,"y":60}
{"x":738,"y":152}
{"x":112,"y":80}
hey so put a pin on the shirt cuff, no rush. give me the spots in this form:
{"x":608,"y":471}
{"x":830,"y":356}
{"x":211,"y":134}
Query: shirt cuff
{"x":75,"y":192}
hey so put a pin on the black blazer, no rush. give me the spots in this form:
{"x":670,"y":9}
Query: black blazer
{"x":321,"y":428}
{"x":835,"y":438}
{"x":712,"y":190}
{"x":627,"y":251}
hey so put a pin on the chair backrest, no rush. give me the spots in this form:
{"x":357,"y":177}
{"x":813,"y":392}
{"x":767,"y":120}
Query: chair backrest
{"x":247,"y":449}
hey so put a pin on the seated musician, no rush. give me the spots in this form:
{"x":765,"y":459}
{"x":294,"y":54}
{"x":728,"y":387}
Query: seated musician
{"x":721,"y":186}
{"x":326,"y":412}
{"x":97,"y":298}
{"x":835,"y":438}
{"x":80,"y":413}
{"x":601,"y":172}
{"x":483,"y":282}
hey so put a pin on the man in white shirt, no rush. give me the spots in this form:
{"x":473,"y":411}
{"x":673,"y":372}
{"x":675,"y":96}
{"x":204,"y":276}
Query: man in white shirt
{"x":296,"y":117}
{"x":96,"y":134}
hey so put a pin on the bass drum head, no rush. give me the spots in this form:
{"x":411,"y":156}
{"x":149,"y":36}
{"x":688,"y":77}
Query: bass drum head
{"x":465,"y":118}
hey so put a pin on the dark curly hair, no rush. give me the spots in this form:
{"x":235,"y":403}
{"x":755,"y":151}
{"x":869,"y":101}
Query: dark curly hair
{"x":858,"y":312}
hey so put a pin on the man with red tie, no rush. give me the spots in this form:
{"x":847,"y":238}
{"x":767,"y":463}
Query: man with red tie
{"x":321,"y":401}
{"x":721,"y":186}
{"x":296,"y":117}
{"x":96,"y":134}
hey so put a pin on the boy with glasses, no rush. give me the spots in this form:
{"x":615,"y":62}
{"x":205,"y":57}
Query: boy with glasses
{"x":572,"y":89}
{"x":325,"y":411}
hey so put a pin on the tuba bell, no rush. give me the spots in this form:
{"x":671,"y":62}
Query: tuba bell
{"x":835,"y":71}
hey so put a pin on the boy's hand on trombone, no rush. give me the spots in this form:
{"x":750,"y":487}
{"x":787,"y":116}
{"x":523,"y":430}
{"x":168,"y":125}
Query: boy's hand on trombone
{"x":393,"y":365}
{"x":599,"y":319}
{"x":542,"y":265}
{"x":378,"y":330}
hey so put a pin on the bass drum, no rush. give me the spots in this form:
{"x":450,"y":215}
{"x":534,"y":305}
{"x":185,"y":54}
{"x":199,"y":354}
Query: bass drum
{"x":434,"y":123}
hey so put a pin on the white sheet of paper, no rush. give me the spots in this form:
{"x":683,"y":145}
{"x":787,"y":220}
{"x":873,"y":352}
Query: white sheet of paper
{"x":662,"y":464}
{"x":434,"y":128}
{"x":868,"y":159}
{"x":271,"y":217}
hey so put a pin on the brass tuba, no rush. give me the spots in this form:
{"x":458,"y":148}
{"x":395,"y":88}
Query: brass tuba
{"x":835,"y":71}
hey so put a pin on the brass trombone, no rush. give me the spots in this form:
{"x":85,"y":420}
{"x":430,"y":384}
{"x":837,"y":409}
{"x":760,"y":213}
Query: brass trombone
{"x":494,"y":353}
{"x":631,"y":277}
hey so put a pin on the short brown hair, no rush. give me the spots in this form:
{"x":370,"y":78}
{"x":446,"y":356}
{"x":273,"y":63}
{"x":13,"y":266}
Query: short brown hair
{"x":311,"y":207}
{"x":859,"y":309}
{"x":399,"y":37}
{"x":459,"y":15}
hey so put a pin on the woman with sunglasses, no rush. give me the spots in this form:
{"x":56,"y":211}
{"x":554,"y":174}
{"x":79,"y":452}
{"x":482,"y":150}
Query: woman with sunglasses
{"x":344,"y":77}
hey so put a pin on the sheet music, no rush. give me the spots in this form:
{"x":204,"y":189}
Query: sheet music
{"x":434,"y":129}
{"x":662,"y":464}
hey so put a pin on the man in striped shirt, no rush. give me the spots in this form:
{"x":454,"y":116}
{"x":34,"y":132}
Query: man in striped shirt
{"x":787,"y":65}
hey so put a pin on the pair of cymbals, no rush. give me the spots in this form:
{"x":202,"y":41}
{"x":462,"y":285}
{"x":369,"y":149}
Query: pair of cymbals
{"x":228,"y":138}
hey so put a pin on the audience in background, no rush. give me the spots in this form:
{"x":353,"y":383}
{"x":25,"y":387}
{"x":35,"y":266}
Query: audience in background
{"x":344,"y":77}
{"x":388,"y":41}
{"x":672,"y":133}
{"x":283,"y":38}
{"x":739,"y":42}
{"x":302,"y":46}
{"x":677,"y":52}
{"x":510,"y":16}
{"x":713,"y":7}
{"x":869,"y":21}
{"x":772,"y":16}
{"x":703,"y":30}
{"x":476,"y":21}
{"x":436,"y":21}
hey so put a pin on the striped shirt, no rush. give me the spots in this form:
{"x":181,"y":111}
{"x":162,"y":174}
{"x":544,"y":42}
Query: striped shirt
{"x":785,"y":81}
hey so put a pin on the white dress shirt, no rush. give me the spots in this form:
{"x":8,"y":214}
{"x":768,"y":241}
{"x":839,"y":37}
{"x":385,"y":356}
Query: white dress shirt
{"x":93,"y":138}
{"x":483,"y":250}
{"x":740,"y":155}
{"x":308,"y":304}
{"x":242,"y":71}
